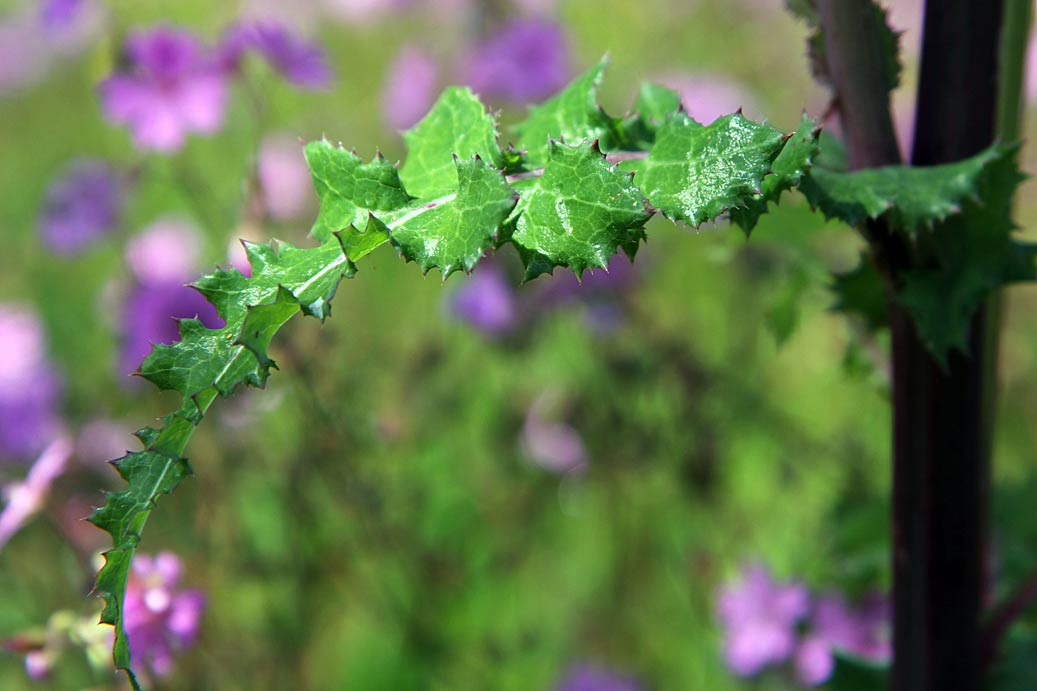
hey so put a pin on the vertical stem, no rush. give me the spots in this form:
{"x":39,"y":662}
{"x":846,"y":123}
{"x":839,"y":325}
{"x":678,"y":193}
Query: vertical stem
{"x":941,"y":471}
{"x":941,"y":468}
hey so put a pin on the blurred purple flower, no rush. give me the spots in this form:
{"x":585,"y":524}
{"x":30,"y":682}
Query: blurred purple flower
{"x":300,"y":62}
{"x":59,"y":14}
{"x":284,"y":177}
{"x":591,"y":678}
{"x":23,"y":499}
{"x":161,"y":618}
{"x":708,"y":96}
{"x":23,"y":56}
{"x":38,"y":664}
{"x":172,"y":86}
{"x":551,"y":445}
{"x":151,"y":315}
{"x":862,"y":632}
{"x":82,"y":205}
{"x":597,"y":291}
{"x":410,"y":87}
{"x":164,"y":252}
{"x":760,"y":616}
{"x":814,"y":661}
{"x":524,"y":62}
{"x":162,"y":258}
{"x":486,"y":301}
{"x":29,"y":387}
{"x":32,"y":37}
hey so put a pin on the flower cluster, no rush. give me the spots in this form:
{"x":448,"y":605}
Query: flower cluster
{"x":767,"y":623}
{"x":523,"y":62}
{"x":161,"y":618}
{"x":172,"y":85}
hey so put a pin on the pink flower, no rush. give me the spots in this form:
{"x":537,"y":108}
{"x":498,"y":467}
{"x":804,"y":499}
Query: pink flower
{"x":166,"y":251}
{"x":172,"y":87}
{"x":284,"y":177}
{"x":410,"y":87}
{"x":27,"y":497}
{"x":760,"y":617}
{"x":299,"y":61}
{"x":161,"y":619}
{"x":708,"y":96}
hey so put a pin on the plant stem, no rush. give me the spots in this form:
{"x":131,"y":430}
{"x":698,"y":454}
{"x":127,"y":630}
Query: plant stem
{"x":941,"y":477}
{"x":941,"y":469}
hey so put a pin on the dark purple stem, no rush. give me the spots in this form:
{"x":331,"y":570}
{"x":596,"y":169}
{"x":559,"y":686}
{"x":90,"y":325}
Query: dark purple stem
{"x":941,"y":470}
{"x":1006,"y":614}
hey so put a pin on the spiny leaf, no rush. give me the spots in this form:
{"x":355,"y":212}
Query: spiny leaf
{"x":454,"y":233}
{"x":156,"y":470}
{"x":874,"y":18}
{"x":860,"y":292}
{"x":908,"y":197}
{"x":788,"y":169}
{"x":578,"y":212}
{"x":453,"y":204}
{"x":350,"y":189}
{"x":653,"y":106}
{"x":458,"y":125}
{"x":571,"y":116}
{"x":694,"y":172}
{"x":971,"y":254}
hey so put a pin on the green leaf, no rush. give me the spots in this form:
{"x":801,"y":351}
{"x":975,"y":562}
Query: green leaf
{"x":888,"y":44}
{"x":653,"y":106}
{"x":908,"y":198}
{"x":455,"y":233}
{"x":860,"y":292}
{"x":571,"y":116}
{"x":969,"y":255}
{"x":578,"y":212}
{"x":458,"y":125}
{"x":460,"y":195}
{"x":350,"y":189}
{"x":789,"y":167}
{"x":694,"y":172}
{"x":156,"y":470}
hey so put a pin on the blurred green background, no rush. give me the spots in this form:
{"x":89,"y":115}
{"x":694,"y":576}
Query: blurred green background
{"x":370,"y":521}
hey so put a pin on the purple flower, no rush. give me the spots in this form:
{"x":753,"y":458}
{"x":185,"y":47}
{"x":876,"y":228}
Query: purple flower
{"x":171,"y":87}
{"x":760,"y":617}
{"x":29,"y":387}
{"x":58,"y":14}
{"x":486,"y":301}
{"x":151,"y":315}
{"x":25,"y":498}
{"x":708,"y":96}
{"x":284,"y":177}
{"x":862,"y":632}
{"x":299,"y":61}
{"x":814,"y":661}
{"x":162,"y":259}
{"x":524,"y":62}
{"x":591,"y":678}
{"x":551,"y":445}
{"x":164,"y":252}
{"x":410,"y":87}
{"x":161,"y":619}
{"x":81,"y":206}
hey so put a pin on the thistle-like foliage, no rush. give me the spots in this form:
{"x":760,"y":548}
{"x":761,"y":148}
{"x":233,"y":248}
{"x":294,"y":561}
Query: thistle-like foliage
{"x":577,"y":186}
